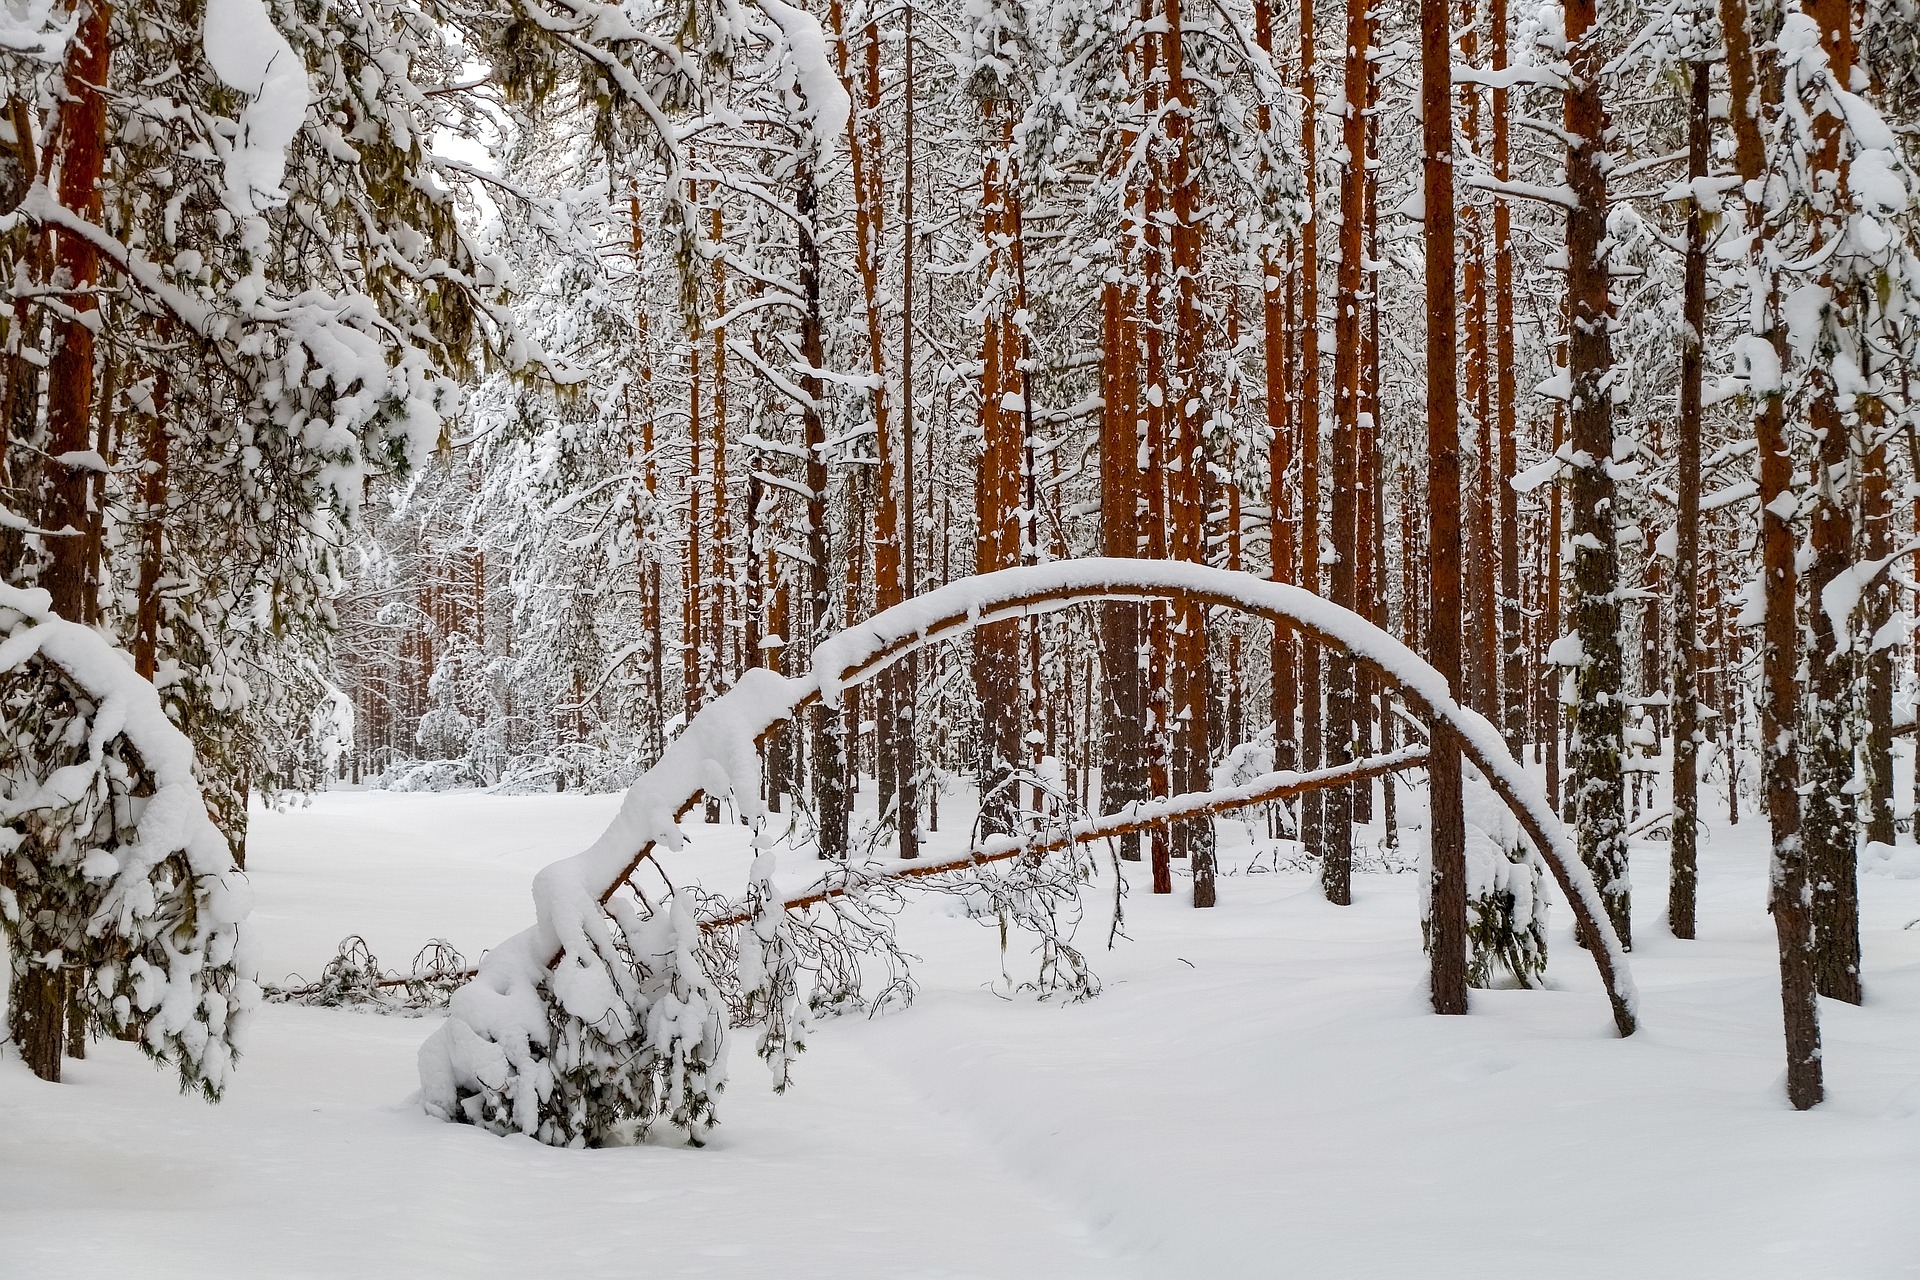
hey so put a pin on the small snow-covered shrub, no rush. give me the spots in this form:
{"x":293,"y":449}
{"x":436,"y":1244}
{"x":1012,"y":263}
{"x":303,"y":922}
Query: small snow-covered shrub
{"x":620,"y":1036}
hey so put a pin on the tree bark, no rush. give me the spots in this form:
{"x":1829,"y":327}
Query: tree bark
{"x":1514,"y":684}
{"x":906,"y":754}
{"x":1791,"y":894}
{"x":69,"y":573}
{"x":1336,"y":853}
{"x":1876,"y":511}
{"x":1831,"y":811}
{"x":1276,"y":304}
{"x":1000,"y":485}
{"x":1312,"y":724}
{"x":828,"y":728}
{"x":1683,"y":874}
{"x":1192,"y":704}
{"x":1482,"y":614}
{"x":716,"y":664}
{"x":79,"y":157}
{"x":1448,"y":975}
{"x":1597,"y":748}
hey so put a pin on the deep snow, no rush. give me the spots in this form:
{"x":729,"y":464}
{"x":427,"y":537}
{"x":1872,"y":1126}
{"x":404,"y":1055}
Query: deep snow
{"x":1258,"y":1092}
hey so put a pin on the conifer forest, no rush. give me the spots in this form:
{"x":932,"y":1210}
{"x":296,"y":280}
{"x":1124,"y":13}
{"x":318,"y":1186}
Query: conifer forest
{"x":1073,"y":576}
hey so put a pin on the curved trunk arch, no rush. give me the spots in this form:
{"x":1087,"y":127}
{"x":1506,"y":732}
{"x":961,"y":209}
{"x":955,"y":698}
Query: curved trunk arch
{"x":715,"y":750}
{"x":488,"y":1053}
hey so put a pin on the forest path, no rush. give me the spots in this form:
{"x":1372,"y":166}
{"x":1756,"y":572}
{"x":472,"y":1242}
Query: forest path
{"x":1257,"y":1092}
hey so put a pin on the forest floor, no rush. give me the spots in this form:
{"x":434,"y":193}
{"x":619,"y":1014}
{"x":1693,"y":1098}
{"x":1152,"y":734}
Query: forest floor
{"x":1258,"y":1092}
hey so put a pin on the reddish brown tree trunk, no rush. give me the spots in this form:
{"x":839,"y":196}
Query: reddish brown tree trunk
{"x":906,"y":756}
{"x":1276,"y":305}
{"x":1481,"y":620}
{"x":153,"y":501}
{"x":1312,"y":726}
{"x":79,"y":155}
{"x":1448,"y":939}
{"x":1514,"y":684}
{"x":1336,"y":854}
{"x":1000,"y":484}
{"x":717,"y":630}
{"x":828,"y":728}
{"x":1122,"y":776}
{"x":1791,"y":897}
{"x":78,"y":152}
{"x":1187,"y":417}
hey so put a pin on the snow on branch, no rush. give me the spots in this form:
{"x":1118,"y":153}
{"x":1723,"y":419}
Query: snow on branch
{"x":249,"y":54}
{"x":828,"y":106}
{"x":32,"y":30}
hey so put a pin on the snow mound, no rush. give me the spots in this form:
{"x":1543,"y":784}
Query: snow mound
{"x":1902,"y":862}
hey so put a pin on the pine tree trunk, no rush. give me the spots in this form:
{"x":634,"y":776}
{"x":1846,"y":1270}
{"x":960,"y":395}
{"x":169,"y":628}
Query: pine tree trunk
{"x":780,"y":743}
{"x":1155,"y":460}
{"x":653,"y":729}
{"x":999,"y":488}
{"x":1831,"y":813}
{"x":79,"y":156}
{"x":1191,"y":701}
{"x":828,"y":724}
{"x":1598,"y":732}
{"x":1448,"y":940}
{"x":1554,"y":567}
{"x":38,"y":1017}
{"x":1514,"y":683}
{"x":693,"y":585}
{"x":1683,"y":873}
{"x":1336,"y":857}
{"x":717,"y":630}
{"x":1791,"y":893}
{"x":1482,"y":618}
{"x":1312,"y":723}
{"x":1276,"y":305}
{"x":24,"y":256}
{"x":38,"y":993}
{"x":906,"y":753}
{"x":1876,"y":512}
{"x":153,"y":502}
{"x":1371,"y":575}
{"x":1122,"y":766}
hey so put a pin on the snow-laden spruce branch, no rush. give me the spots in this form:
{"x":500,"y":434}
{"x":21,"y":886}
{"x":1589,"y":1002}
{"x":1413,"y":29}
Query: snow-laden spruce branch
{"x":554,"y":993}
{"x":135,"y":894}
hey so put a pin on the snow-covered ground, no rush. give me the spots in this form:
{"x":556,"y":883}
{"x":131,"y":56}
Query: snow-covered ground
{"x":1258,"y":1092}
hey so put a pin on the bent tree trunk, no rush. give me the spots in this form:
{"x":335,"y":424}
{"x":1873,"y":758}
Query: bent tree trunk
{"x":718,"y":736}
